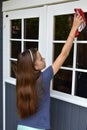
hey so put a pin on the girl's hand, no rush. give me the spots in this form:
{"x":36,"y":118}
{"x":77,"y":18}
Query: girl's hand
{"x":78,"y":20}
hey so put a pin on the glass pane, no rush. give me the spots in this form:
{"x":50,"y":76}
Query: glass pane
{"x":81,"y":56}
{"x":13,"y":67}
{"x":57,"y":49}
{"x":63,"y":81}
{"x":28,"y":45}
{"x":31,"y":30}
{"x":83,"y":34}
{"x":15,"y":48}
{"x":62,"y":26}
{"x":16,"y":29}
{"x":81,"y":84}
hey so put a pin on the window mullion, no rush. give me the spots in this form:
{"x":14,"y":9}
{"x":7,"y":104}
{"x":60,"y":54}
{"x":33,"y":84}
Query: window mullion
{"x":22,"y":40}
{"x":74,"y":66}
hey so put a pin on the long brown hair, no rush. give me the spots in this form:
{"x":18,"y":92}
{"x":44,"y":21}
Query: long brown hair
{"x":26,"y":80}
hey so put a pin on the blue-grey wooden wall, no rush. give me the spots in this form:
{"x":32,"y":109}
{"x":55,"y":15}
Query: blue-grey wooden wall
{"x":11,"y":110}
{"x":64,"y":116}
{"x":1,"y":119}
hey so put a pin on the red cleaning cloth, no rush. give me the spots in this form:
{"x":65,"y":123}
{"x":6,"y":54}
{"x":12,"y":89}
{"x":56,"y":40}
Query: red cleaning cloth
{"x":82,"y":26}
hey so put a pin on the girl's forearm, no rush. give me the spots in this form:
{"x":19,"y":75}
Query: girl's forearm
{"x":67,"y":46}
{"x":69,"y":42}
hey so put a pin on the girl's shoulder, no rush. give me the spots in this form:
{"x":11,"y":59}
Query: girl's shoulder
{"x":47,"y":73}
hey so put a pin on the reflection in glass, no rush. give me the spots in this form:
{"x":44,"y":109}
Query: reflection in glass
{"x":83,"y":34}
{"x":62,"y":26}
{"x":16,"y":29}
{"x":15,"y":48}
{"x":31,"y":30}
{"x":13,"y":68}
{"x":63,"y":81}
{"x":81,"y":56}
{"x":57,"y":49}
{"x":81,"y":84}
{"x":28,"y":45}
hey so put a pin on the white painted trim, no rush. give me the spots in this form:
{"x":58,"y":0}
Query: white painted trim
{"x":5,"y":60}
{"x":61,"y":96}
{"x":21,"y":4}
{"x":11,"y":81}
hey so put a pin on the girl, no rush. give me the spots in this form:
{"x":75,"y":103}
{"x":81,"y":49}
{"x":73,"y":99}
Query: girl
{"x":33,"y":86}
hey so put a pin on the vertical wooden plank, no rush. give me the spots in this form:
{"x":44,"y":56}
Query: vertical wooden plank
{"x":82,"y":119}
{"x":11,"y":111}
{"x":60,"y":115}
{"x":74,"y":117}
{"x":53,"y":115}
{"x":67,"y":116}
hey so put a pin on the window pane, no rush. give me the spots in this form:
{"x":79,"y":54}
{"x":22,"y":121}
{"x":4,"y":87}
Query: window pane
{"x":81,"y":84}
{"x":15,"y":48}
{"x":28,"y":45}
{"x":16,"y":29}
{"x":83,"y":34}
{"x":31,"y":30}
{"x":62,"y":81}
{"x":81,"y":56}
{"x":57,"y":49}
{"x":62,"y":26}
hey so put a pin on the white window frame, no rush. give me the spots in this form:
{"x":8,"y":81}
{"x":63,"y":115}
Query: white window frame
{"x":20,"y":14}
{"x":61,"y":10}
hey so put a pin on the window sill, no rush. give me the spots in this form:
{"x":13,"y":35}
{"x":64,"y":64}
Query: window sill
{"x":11,"y":81}
{"x":59,"y":95}
{"x":69,"y":98}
